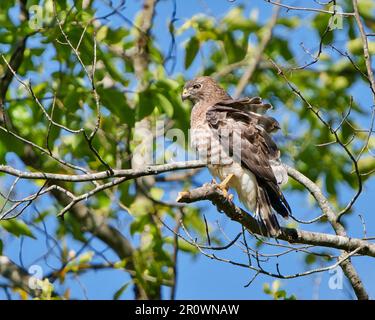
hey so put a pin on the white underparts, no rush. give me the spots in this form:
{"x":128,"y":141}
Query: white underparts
{"x":221,"y":165}
{"x":243,"y":182}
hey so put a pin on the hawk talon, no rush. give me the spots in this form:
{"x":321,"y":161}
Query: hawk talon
{"x":223,"y":186}
{"x":228,"y":200}
{"x":225,"y":192}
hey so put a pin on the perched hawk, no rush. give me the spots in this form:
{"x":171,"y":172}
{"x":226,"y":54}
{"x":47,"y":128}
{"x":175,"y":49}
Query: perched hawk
{"x":234,"y":137}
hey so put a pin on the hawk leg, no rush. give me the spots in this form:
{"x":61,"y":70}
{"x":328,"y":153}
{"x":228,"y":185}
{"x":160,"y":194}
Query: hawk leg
{"x":223,"y":186}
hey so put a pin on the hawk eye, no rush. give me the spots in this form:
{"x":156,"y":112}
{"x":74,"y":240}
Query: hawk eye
{"x":197,"y":86}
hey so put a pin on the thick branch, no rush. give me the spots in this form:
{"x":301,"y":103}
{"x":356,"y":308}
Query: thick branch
{"x":16,"y":275}
{"x":90,"y":222}
{"x":366,"y":52}
{"x":99,"y":227}
{"x":140,"y":56}
{"x":323,"y":203}
{"x":333,"y":218}
{"x":215,"y":195}
{"x":338,"y":241}
{"x":122,"y":173}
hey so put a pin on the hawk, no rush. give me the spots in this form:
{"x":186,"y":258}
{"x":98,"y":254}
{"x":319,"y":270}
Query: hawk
{"x":233,"y":135}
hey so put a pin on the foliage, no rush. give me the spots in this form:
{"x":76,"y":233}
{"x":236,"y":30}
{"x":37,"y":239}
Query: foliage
{"x":276,"y":292}
{"x":221,"y":47}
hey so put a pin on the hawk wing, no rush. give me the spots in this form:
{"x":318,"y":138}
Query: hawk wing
{"x":259,"y":152}
{"x":255,"y":108}
{"x":253,"y":104}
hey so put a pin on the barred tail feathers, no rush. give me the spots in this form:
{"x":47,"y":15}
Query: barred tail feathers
{"x":270,"y":199}
{"x":265,"y":214}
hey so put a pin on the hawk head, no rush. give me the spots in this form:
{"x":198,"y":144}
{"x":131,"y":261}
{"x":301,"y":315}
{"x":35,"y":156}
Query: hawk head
{"x":203,"y":89}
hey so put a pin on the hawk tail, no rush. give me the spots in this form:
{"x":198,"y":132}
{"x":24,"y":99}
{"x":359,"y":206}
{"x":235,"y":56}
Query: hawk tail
{"x":265,"y":213}
{"x":277,"y":199}
{"x":270,"y":197}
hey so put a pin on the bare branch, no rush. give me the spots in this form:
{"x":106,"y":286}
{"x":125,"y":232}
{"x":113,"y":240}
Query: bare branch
{"x":17,"y":276}
{"x":123,"y":173}
{"x":215,"y":195}
{"x":345,"y":14}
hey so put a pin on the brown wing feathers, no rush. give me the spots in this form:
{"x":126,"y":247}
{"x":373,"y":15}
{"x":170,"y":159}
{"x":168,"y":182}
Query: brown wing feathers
{"x":254,"y":104}
{"x":257,"y":150}
{"x":264,"y":212}
{"x":249,"y":112}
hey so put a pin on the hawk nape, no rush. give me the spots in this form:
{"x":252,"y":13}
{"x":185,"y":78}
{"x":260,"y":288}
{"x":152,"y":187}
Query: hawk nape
{"x":257,"y":173}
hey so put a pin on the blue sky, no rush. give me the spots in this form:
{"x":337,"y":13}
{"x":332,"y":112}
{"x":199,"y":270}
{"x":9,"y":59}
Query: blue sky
{"x":200,"y":277}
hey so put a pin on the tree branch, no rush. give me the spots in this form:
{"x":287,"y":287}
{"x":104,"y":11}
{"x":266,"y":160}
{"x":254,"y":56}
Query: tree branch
{"x":345,"y":14}
{"x":15,"y":62}
{"x":347,"y":267}
{"x":366,"y":52}
{"x":212,"y":193}
{"x":120,"y":173}
{"x":338,"y":241}
{"x":16,"y":275}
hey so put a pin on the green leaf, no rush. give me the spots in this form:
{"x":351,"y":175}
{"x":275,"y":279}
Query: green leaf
{"x":266,"y":288}
{"x":192,"y":48}
{"x":78,"y":4}
{"x":137,"y":226}
{"x":280,"y":294}
{"x":156,"y":193}
{"x":120,"y":291}
{"x":17,"y":228}
{"x":235,"y":20}
{"x":356,"y":47}
{"x":102,"y":33}
{"x":116,"y":102}
{"x":146,"y":104}
{"x":366,"y":8}
{"x":3,"y":152}
{"x":290,"y":22}
{"x":182,"y":245}
{"x":112,"y":68}
{"x":320,"y":23}
{"x":310,"y":258}
{"x":164,"y":104}
{"x":116,"y":36}
{"x":234,"y":51}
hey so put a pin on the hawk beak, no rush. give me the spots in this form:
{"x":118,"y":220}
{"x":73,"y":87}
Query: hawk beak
{"x":185,"y":94}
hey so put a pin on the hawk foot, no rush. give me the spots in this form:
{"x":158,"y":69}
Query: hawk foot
{"x":223,"y":186}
